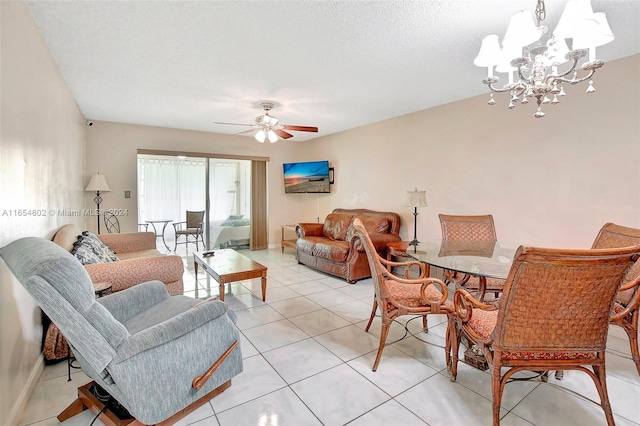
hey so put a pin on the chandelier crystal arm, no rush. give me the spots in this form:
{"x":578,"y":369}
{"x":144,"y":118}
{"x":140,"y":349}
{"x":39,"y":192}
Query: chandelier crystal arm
{"x":576,"y":80}
{"x":489,"y":81}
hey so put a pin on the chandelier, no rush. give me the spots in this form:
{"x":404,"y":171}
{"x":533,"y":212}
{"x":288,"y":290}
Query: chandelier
{"x":542,"y":60}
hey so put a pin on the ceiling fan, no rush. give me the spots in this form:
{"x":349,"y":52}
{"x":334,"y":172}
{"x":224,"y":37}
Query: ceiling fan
{"x":269,"y":127}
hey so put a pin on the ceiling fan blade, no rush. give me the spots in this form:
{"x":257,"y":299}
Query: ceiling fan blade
{"x":245,"y":131}
{"x":300,"y":128}
{"x":283,"y":134}
{"x":233,"y":124}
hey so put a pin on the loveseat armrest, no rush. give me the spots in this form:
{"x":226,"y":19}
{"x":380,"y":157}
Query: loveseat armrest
{"x":131,"y":301}
{"x":130,"y":241}
{"x":309,"y":229}
{"x":171,"y":329}
{"x":126,"y":273}
{"x":379,"y":240}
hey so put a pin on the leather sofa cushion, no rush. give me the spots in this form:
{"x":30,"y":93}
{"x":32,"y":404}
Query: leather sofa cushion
{"x":374,"y":224}
{"x":336,"y":225}
{"x":332,"y":250}
{"x":308,"y":244}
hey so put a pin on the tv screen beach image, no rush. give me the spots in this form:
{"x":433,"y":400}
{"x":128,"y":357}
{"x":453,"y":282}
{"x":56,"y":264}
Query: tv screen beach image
{"x":311,"y":176}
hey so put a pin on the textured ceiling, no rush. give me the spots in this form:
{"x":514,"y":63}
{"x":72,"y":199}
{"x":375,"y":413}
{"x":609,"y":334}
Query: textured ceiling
{"x":331,"y":64}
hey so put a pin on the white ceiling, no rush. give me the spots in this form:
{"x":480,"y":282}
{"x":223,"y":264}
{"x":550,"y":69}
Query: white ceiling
{"x":331,"y":64}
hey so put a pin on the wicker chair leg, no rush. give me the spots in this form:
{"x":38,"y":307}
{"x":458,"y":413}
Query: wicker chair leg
{"x":384,"y":332}
{"x":600,"y":381}
{"x":632,"y":333}
{"x":373,"y":313}
{"x":453,"y":340}
{"x":496,"y":391}
{"x":425,"y":328}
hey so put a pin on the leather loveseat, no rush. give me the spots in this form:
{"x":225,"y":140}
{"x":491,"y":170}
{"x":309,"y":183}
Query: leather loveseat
{"x":330,"y":247}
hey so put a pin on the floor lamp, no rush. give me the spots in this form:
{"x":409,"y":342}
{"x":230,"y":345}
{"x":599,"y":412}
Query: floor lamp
{"x":97,"y":183}
{"x":416,"y":199}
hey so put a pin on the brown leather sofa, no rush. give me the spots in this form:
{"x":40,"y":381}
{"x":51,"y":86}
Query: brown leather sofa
{"x":330,"y":247}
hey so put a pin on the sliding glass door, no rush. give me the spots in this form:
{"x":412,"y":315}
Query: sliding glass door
{"x":169,"y":185}
{"x":229,"y":213}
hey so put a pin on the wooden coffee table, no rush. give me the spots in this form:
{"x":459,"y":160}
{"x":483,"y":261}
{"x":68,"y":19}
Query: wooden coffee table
{"x":227,"y":265}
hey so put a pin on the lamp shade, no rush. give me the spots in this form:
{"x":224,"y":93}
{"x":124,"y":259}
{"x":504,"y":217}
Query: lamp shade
{"x":416,"y":198}
{"x":507,"y":54}
{"x":522,"y":31}
{"x":571,"y":23}
{"x":489,"y":54}
{"x":604,"y":34}
{"x":98,"y":183}
{"x":272,"y":136}
{"x":593,"y":31}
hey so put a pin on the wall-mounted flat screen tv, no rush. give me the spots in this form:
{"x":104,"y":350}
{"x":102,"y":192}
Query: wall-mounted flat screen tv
{"x":308,"y":177}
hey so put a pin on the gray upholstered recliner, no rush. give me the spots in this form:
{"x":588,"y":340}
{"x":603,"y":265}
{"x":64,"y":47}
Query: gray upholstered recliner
{"x":155,"y":354}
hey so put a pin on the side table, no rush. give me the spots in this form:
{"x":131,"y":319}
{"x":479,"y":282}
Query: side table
{"x":291,"y":243}
{"x":101,"y":289}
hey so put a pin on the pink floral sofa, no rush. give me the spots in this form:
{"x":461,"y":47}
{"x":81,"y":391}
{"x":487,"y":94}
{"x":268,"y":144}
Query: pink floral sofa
{"x":138,"y":260}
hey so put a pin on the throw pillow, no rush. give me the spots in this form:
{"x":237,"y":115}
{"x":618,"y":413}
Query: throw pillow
{"x":336,"y":225}
{"x":84,"y":252}
{"x":375,"y":224}
{"x":104,"y":252}
{"x":235,"y":222}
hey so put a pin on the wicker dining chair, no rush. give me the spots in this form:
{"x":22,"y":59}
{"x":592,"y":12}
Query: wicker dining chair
{"x":395,"y":296}
{"x":626,"y":306}
{"x":549,"y":316}
{"x":470,"y":228}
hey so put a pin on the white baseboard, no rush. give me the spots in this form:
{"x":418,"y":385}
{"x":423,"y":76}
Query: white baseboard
{"x":21,"y":403}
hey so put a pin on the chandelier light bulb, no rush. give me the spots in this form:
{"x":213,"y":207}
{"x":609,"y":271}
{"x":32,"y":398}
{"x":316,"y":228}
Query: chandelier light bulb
{"x":260,"y":136}
{"x":272,"y":136}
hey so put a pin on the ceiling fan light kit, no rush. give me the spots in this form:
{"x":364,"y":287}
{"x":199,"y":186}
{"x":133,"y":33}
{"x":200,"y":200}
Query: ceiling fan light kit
{"x":269,"y":127}
{"x":535,"y":55}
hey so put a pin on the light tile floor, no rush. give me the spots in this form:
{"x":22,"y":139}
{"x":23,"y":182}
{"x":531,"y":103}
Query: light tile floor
{"x":307,"y":361}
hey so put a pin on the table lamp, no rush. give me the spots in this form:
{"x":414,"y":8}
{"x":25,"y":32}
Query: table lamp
{"x":416,"y":199}
{"x":97,"y":183}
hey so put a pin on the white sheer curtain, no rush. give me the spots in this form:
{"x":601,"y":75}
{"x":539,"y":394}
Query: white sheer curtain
{"x":225,"y":190}
{"x":169,"y":186}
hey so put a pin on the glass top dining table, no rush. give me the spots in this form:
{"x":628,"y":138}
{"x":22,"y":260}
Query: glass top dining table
{"x":485,"y":259}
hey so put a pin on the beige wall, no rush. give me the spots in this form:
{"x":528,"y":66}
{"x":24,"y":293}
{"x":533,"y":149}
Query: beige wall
{"x":41,"y":168}
{"x":551,"y":181}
